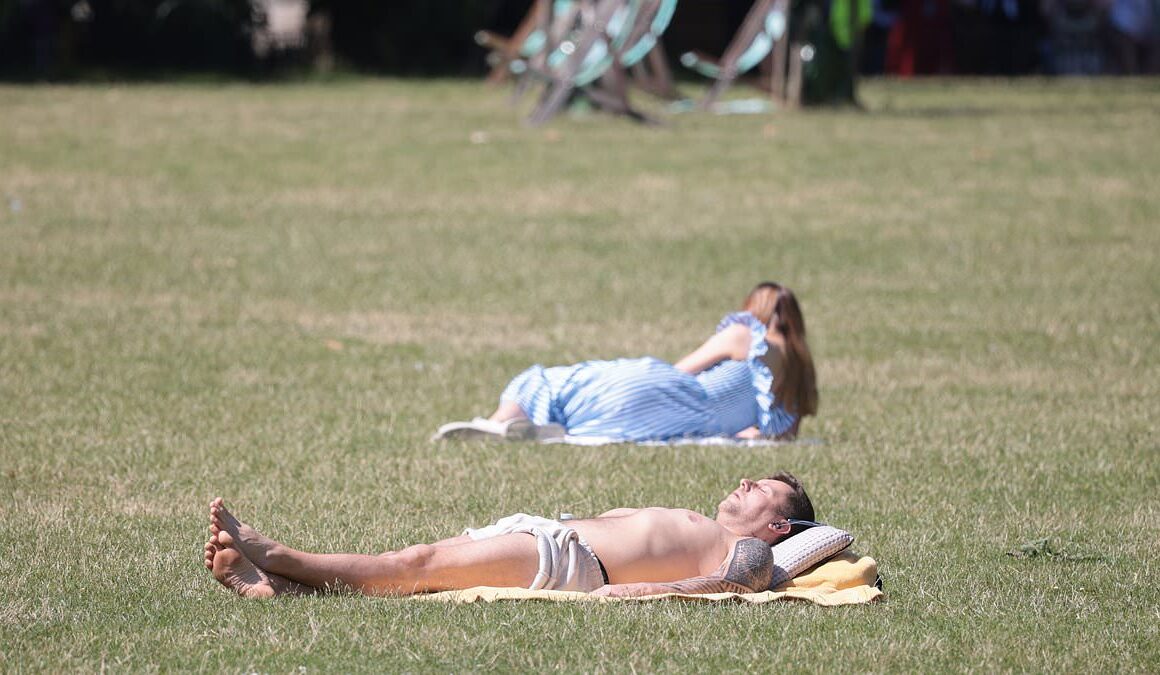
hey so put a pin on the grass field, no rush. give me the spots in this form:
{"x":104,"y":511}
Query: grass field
{"x":276,"y":294}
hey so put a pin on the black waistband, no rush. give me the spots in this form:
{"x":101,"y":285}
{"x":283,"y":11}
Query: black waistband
{"x":603,"y":572}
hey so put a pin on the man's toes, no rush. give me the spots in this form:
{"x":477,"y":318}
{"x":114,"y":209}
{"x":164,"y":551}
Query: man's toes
{"x":224,"y":539}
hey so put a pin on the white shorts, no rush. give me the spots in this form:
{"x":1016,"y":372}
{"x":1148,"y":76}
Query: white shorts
{"x":567,"y":563}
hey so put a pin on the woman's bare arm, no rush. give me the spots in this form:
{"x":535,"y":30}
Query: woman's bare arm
{"x":731,"y":343}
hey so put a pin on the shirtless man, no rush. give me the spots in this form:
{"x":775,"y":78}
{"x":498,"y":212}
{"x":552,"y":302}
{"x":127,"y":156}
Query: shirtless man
{"x":623,"y":552}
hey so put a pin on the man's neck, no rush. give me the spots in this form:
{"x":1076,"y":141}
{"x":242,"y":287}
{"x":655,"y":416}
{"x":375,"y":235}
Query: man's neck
{"x":730,"y":525}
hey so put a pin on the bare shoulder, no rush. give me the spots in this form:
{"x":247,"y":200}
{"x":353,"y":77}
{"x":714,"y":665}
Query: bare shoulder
{"x":750,"y":564}
{"x":734,"y":340}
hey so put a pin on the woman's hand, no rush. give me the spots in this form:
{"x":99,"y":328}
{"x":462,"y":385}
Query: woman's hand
{"x":750,"y":434}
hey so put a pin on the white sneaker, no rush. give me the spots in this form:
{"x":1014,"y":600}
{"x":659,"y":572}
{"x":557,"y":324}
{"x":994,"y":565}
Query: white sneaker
{"x":511,"y":430}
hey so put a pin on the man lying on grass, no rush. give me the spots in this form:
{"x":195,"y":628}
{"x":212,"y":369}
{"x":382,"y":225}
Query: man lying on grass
{"x":622,"y":552}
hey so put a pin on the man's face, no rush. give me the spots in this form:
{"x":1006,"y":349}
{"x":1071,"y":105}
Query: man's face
{"x":761,"y":501}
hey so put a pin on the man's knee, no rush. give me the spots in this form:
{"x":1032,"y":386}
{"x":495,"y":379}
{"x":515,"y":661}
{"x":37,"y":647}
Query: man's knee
{"x":415,"y":569}
{"x":413,"y":558}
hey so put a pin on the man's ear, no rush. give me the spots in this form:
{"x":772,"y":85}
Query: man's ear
{"x":780,"y":527}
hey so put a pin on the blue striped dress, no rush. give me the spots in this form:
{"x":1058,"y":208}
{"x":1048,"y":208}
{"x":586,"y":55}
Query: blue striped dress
{"x":648,"y":399}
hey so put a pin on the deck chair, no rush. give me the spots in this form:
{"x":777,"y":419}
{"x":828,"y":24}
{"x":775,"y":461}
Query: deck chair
{"x":764,"y":28}
{"x":611,"y":37}
{"x":548,"y":24}
{"x":645,"y":56}
{"x":654,"y":76}
{"x":533,"y":36}
{"x":555,"y":23}
{"x":504,"y":50}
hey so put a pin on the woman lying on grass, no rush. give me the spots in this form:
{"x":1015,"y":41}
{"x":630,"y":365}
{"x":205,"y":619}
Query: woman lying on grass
{"x":753,"y":379}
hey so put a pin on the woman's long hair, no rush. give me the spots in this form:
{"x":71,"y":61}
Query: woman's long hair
{"x":797,"y":388}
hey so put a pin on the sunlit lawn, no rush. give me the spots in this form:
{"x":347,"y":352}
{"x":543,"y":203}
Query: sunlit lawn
{"x":277,"y":293}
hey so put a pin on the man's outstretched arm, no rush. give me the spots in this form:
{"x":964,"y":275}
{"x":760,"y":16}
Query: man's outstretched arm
{"x":748,"y":570}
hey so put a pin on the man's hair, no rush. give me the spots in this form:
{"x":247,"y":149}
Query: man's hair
{"x":797,"y":504}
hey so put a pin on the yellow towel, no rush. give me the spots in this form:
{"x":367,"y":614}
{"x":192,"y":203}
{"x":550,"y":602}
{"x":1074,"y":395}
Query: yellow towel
{"x":845,"y":579}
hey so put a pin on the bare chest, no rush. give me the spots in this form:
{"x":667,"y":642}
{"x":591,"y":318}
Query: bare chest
{"x":657,"y":544}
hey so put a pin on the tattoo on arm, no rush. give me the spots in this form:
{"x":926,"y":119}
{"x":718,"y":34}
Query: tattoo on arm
{"x":748,"y":570}
{"x":752,"y":565}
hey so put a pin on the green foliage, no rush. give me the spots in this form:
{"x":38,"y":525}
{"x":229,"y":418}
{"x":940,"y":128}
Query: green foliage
{"x":277,"y":293}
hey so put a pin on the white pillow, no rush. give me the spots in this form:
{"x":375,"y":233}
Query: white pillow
{"x":807,"y":548}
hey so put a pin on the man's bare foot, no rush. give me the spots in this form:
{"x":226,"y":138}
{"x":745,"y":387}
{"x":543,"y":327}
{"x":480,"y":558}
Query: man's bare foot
{"x":237,"y":572}
{"x":253,"y":544}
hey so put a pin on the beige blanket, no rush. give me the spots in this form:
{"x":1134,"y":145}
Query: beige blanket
{"x":845,"y":579}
